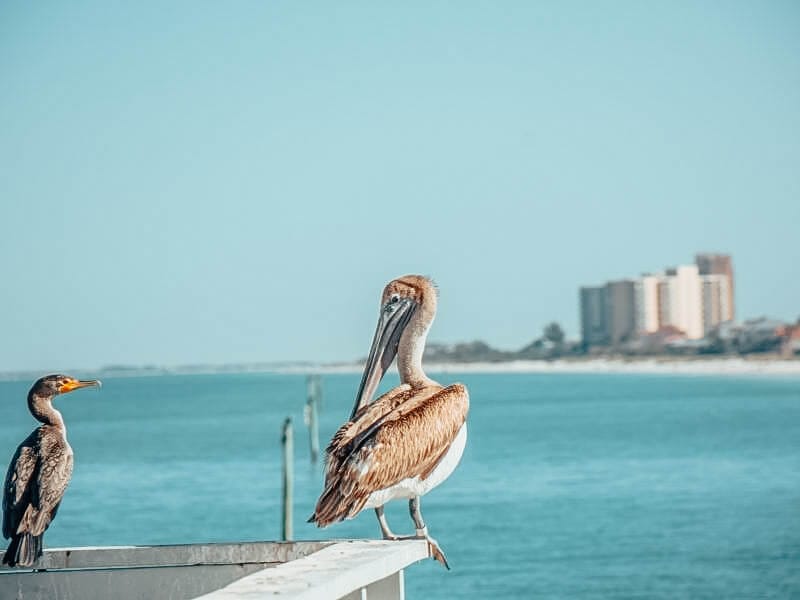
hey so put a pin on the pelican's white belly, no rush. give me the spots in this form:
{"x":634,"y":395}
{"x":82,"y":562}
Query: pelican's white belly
{"x":414,"y":486}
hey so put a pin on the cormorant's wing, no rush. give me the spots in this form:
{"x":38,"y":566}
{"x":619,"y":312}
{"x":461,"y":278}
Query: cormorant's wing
{"x":20,"y":479}
{"x":55,"y":471}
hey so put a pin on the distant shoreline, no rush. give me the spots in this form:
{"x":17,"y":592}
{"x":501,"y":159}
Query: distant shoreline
{"x":729,"y":365}
{"x":660,"y":365}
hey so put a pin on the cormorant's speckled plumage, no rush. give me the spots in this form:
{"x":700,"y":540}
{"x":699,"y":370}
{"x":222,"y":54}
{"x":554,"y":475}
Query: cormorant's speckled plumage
{"x":38,"y":474}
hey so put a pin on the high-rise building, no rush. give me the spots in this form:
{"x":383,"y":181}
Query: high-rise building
{"x":680,"y":300}
{"x":691,"y":298}
{"x":719,"y":264}
{"x":667,"y":300}
{"x":716,"y":298}
{"x":690,"y":314}
{"x":646,"y":302}
{"x":608,"y":313}
{"x":594,"y":316}
{"x":621,"y":307}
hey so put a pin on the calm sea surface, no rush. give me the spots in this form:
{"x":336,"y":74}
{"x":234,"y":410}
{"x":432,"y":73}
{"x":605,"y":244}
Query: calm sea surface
{"x":571,"y":486}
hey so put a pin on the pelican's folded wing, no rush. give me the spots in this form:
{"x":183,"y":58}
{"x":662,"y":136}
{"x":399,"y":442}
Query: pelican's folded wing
{"x":407,"y":442}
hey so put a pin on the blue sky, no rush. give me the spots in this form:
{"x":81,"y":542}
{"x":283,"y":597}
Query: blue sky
{"x":224,"y":182}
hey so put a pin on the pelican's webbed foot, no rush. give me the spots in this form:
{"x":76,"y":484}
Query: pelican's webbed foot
{"x":422,"y":532}
{"x":436,"y":552}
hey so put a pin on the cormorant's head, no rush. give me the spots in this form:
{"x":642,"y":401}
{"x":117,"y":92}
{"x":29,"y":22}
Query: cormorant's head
{"x":52,"y":385}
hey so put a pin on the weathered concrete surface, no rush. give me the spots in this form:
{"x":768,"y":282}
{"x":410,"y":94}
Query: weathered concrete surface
{"x":145,"y":572}
{"x":352,"y":569}
{"x":172,"y":555}
{"x":150,"y":583}
{"x":299,"y":570}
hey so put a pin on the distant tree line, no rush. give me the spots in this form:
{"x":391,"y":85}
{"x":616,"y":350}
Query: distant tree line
{"x":551,"y":344}
{"x":754,"y":336}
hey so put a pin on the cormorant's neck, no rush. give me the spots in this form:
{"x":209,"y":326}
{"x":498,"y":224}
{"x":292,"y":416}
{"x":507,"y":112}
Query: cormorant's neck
{"x":41,"y":407}
{"x":409,"y":353}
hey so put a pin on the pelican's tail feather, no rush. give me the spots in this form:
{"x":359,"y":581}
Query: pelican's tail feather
{"x":334,"y":505}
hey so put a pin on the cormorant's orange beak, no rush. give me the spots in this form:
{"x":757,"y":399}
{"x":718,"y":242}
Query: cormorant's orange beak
{"x":75,"y":384}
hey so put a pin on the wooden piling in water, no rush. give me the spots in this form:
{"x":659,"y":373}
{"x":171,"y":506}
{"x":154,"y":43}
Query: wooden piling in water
{"x":287,"y":440}
{"x":312,"y":416}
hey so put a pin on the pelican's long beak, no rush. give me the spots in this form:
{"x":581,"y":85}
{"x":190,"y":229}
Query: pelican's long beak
{"x":391,"y":324}
{"x":75,"y":384}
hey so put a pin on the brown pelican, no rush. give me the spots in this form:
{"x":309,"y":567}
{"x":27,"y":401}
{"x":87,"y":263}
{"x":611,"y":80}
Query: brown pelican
{"x":410,"y":439}
{"x":38,"y":473}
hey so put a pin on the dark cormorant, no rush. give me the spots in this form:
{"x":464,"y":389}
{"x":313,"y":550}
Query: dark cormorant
{"x":38,"y":473}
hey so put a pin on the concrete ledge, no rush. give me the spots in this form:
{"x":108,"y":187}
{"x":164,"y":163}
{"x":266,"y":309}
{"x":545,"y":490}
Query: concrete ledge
{"x":336,"y":571}
{"x":298,"y":570}
{"x":114,"y":557}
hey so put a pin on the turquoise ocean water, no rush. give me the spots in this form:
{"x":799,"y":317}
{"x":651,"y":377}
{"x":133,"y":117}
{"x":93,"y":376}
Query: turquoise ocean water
{"x":571,"y":486}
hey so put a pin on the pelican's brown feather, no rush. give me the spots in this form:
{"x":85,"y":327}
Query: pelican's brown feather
{"x":368,"y":415}
{"x":406,"y":441}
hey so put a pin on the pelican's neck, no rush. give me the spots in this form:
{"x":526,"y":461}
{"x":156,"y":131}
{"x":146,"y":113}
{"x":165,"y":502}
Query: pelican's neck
{"x":41,"y":408}
{"x":409,"y":353}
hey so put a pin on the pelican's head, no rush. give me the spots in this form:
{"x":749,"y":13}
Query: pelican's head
{"x":52,"y":385}
{"x":416,"y":289}
{"x":408,"y":306}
